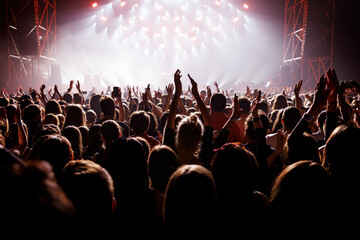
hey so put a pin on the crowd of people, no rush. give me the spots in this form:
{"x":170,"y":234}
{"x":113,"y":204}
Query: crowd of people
{"x":242,"y":162}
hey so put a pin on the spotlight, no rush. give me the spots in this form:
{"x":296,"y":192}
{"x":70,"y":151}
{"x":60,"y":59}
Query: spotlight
{"x":123,"y":3}
{"x":94,"y":4}
{"x":245,"y":5}
{"x":217,"y":3}
{"x":103,"y":18}
{"x":236,"y":19}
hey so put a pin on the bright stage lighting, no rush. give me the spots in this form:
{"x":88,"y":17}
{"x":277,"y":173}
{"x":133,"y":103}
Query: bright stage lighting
{"x":210,"y":38}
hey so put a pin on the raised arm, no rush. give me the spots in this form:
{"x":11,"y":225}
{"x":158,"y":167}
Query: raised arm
{"x":174,"y":103}
{"x":201,"y":105}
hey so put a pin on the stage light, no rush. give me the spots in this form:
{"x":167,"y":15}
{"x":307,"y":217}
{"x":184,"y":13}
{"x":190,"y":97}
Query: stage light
{"x":123,"y":3}
{"x":94,"y":4}
{"x":245,"y":5}
{"x":103,"y":18}
{"x":217,"y":3}
{"x":236,"y":19}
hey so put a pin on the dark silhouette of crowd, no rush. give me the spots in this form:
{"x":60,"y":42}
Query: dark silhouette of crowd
{"x":245,"y":163}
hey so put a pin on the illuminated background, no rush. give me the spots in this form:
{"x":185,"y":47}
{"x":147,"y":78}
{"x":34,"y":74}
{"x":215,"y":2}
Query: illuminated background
{"x":145,"y":41}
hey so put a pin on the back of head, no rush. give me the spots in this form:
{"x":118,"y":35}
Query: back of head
{"x":162,"y":163}
{"x":53,"y":106}
{"x":280,"y":102}
{"x":110,"y":130}
{"x":190,"y":197}
{"x":74,"y":136}
{"x":249,"y":125}
{"x":234,"y":171}
{"x":305,"y":148}
{"x":341,"y":156}
{"x":90,"y":187}
{"x":31,"y":193}
{"x":127,"y":165}
{"x":189,"y":133}
{"x":107,"y":105}
{"x":55,"y":149}
{"x":32,"y":113}
{"x":95,"y":104}
{"x":139,"y":122}
{"x":218,"y":102}
{"x":300,"y":191}
{"x":244,"y":104}
{"x":68,"y":97}
{"x":291,"y":116}
{"x":75,"y":116}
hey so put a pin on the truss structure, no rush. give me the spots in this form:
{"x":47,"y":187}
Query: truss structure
{"x":296,"y":12}
{"x":31,"y":37}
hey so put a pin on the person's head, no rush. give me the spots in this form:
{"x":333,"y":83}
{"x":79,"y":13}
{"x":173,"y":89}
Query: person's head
{"x":55,"y":149}
{"x":162,"y":163}
{"x":74,"y":136}
{"x":90,"y":187}
{"x":139,"y":122}
{"x":78,"y":98}
{"x":110,"y":131}
{"x":218,"y":102}
{"x":127,"y":165}
{"x":290,"y":117}
{"x":189,"y":132}
{"x":75,"y":116}
{"x":280,"y":102}
{"x":145,"y":144}
{"x":30,"y":194}
{"x":234,"y":171}
{"x":299,"y":192}
{"x":53,"y":106}
{"x":68,"y":98}
{"x":84,"y":130}
{"x":32,"y":113}
{"x":47,"y":129}
{"x":244,"y":104}
{"x":305,"y":148}
{"x":50,"y":118}
{"x":90,"y":117}
{"x":153,"y":126}
{"x":95,"y":104}
{"x":61,"y":119}
{"x":190,"y":197}
{"x":107,"y":105}
{"x":341,"y":155}
{"x":95,"y":135}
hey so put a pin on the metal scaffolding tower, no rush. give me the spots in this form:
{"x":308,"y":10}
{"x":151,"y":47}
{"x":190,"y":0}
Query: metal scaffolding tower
{"x":31,"y":36}
{"x":296,"y":13}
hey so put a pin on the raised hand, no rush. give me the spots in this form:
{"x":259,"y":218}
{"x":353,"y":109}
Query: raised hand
{"x":194,"y":87}
{"x":237,"y":111}
{"x":332,"y":85}
{"x":177,"y":82}
{"x":297,"y":87}
{"x":170,"y":89}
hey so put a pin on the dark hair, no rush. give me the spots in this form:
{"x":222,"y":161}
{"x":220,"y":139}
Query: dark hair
{"x":139,"y":122}
{"x":305,"y":148}
{"x":291,"y":116}
{"x":110,"y":130}
{"x":190,"y":197}
{"x":218,"y":102}
{"x":53,"y":106}
{"x":244,"y":104}
{"x":107,"y":105}
{"x":163,"y":162}
{"x":280,"y":102}
{"x":68,"y":97}
{"x":73,"y":134}
{"x":90,"y":187}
